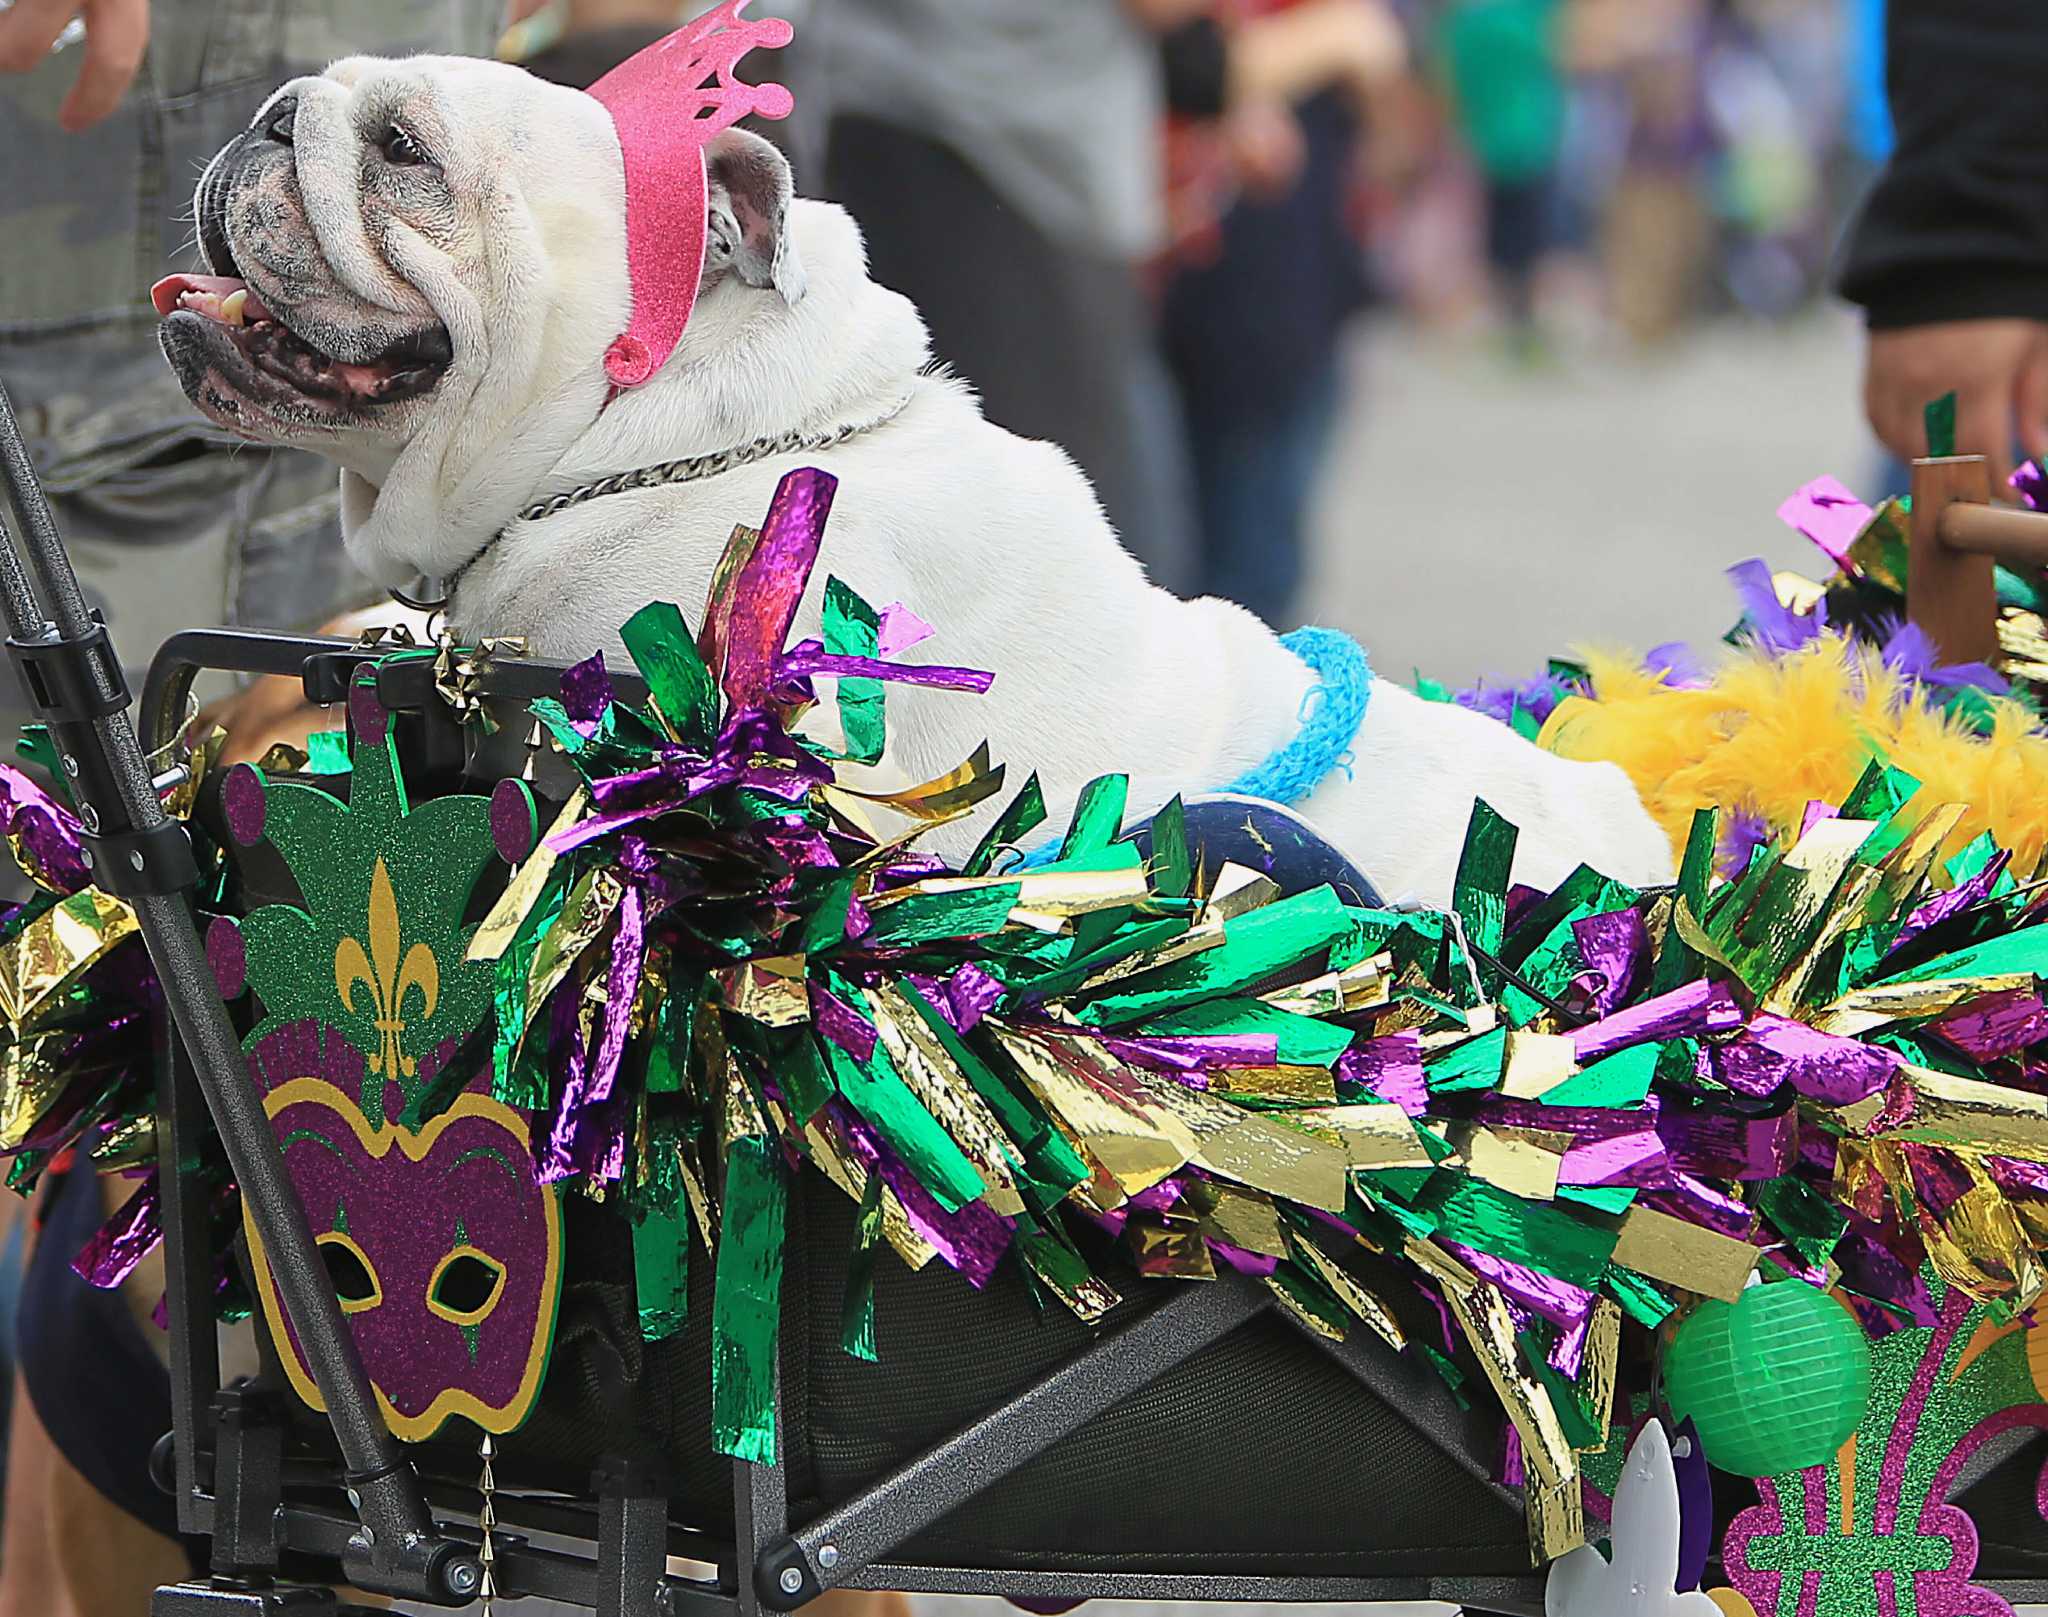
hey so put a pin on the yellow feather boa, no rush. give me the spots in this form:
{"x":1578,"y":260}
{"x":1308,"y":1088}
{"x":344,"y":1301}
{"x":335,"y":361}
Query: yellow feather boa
{"x":1772,"y":734}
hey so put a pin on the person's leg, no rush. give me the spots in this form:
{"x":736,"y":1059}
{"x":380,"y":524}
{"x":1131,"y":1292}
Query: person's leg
{"x":860,"y":1603}
{"x":31,"y":1582}
{"x":66,"y":1549}
{"x":1165,"y":464}
{"x":1517,"y":229}
{"x":1256,"y":477}
{"x":110,"y":1562}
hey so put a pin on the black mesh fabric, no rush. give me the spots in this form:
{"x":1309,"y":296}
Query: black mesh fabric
{"x":1259,"y":1455}
{"x":2012,"y":1541}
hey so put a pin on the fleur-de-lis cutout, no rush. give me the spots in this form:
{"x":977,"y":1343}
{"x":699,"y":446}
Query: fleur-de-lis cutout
{"x":390,"y":982}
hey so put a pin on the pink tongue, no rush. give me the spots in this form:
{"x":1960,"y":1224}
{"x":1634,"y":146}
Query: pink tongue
{"x":165,"y":293}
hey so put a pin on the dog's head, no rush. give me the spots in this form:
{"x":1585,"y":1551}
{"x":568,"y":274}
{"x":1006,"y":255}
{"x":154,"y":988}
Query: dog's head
{"x":417,"y":267}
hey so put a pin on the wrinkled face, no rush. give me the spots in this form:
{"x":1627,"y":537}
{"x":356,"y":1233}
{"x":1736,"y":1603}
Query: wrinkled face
{"x":364,"y":233}
{"x":444,"y":1250}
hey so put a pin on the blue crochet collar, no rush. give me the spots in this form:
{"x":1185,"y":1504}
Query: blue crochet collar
{"x":1330,"y":715}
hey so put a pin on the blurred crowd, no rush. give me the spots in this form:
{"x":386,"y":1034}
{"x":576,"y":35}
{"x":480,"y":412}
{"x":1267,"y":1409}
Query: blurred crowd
{"x":1141,"y":227}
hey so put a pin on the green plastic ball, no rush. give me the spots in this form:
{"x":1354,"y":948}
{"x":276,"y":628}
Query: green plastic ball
{"x":1773,"y":1383}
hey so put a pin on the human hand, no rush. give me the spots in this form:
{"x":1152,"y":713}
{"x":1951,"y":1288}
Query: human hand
{"x":273,"y":709}
{"x":1288,"y":55}
{"x":1266,"y":145}
{"x":116,"y":32}
{"x":268,"y":712}
{"x":1997,"y":369}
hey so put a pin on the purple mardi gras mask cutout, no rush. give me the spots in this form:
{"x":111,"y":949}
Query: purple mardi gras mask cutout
{"x":444,"y":1247}
{"x":422,"y":1191}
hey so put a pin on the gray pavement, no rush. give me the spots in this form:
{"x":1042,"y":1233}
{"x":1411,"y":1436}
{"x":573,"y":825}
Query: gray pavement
{"x":1477,"y":519}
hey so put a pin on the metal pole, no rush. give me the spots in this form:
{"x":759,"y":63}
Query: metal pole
{"x":398,"y":1530}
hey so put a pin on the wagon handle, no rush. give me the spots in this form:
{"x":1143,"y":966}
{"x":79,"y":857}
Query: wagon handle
{"x":74,"y":681}
{"x":1958,"y":536}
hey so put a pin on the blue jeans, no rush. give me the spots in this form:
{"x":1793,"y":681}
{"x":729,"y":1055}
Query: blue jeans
{"x":1254,"y":478}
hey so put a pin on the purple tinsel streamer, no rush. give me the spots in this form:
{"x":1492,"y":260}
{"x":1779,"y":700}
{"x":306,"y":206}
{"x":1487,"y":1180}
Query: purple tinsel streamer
{"x":1545,"y":1296}
{"x":622,"y":983}
{"x":841,"y":1023}
{"x":972,"y":993}
{"x":1161,"y":1197}
{"x":900,"y":629}
{"x":770,"y":585}
{"x":1614,"y":945}
{"x":805,"y":661}
{"x":586,"y":693}
{"x":1609,"y":1146}
{"x":1568,"y":1353}
{"x":123,"y":1241}
{"x":557,"y":1159}
{"x":791,"y":784}
{"x":1697,"y":1202}
{"x":1957,"y":899}
{"x":1774,"y":1050}
{"x":1994,"y":1026}
{"x":1390,"y":1068}
{"x":1829,"y":514}
{"x":1870,"y":1267}
{"x":1697,"y":1008}
{"x":49,"y":833}
{"x":1189,"y":1056}
{"x":1723,"y":1146}
{"x":2030,"y":482}
{"x":1255,"y":1264}
{"x":972,"y":1240}
{"x":933,"y":992}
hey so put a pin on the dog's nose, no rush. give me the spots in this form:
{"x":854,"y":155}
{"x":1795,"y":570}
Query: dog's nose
{"x":282,"y":116}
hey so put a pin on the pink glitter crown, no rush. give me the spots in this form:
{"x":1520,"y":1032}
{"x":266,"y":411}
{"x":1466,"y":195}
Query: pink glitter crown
{"x":667,"y":103}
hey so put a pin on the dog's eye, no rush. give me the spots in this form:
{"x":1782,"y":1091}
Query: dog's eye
{"x":399,"y":147}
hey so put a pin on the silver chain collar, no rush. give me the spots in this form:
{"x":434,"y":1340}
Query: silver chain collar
{"x":690,"y":469}
{"x":693,"y":468}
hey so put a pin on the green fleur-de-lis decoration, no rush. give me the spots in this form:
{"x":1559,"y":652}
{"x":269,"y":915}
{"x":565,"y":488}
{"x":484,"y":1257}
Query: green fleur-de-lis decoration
{"x":1873,"y":1533}
{"x":375,"y":952}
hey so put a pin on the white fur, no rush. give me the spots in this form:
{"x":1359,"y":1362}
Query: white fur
{"x":998,"y":541}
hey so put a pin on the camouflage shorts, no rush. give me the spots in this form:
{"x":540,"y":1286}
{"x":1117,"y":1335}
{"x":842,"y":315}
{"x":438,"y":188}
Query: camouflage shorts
{"x":171,"y":523}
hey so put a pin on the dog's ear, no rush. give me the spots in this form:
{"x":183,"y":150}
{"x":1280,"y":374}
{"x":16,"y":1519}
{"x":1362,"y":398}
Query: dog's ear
{"x":751,"y":189}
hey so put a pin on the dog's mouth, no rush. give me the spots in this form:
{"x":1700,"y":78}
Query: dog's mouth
{"x":408,"y":368}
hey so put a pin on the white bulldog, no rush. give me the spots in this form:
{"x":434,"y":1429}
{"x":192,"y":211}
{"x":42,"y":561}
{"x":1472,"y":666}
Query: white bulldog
{"x":419,"y":265}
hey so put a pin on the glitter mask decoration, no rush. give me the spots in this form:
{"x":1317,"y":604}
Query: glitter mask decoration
{"x":667,"y":103}
{"x":444,"y":1247}
{"x":443,"y":1243}
{"x":1873,"y":1533}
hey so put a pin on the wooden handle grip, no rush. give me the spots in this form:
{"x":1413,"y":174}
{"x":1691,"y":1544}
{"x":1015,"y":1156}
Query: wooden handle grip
{"x":1950,"y":592}
{"x":2017,"y":538}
